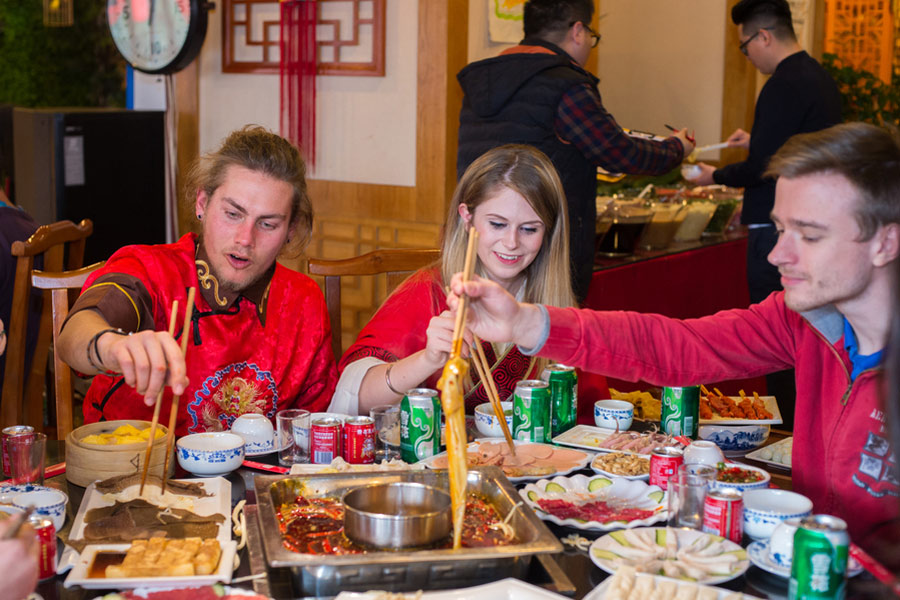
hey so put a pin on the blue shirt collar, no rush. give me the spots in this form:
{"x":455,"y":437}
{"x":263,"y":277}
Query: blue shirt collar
{"x":860,"y":362}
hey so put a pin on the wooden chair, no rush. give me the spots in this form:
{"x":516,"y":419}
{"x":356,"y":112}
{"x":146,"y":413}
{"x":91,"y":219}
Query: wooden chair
{"x":61,"y":285}
{"x":396,"y":263}
{"x":23,"y":392}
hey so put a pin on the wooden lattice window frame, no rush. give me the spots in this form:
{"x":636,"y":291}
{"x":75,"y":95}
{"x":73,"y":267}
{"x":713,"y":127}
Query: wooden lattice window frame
{"x":269,"y":45}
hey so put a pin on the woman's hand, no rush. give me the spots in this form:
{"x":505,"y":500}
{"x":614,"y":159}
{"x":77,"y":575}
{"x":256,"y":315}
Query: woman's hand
{"x":439,"y":341}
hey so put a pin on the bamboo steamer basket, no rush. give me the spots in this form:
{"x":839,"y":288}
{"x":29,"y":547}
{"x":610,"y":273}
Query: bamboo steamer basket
{"x":86,"y":463}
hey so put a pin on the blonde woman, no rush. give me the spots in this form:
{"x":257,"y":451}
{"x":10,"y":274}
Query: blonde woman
{"x":513,"y":197}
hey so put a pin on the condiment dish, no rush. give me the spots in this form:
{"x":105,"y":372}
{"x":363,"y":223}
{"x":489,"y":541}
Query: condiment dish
{"x":49,"y":503}
{"x":764,"y":509}
{"x":613,"y":414}
{"x":487,"y":422}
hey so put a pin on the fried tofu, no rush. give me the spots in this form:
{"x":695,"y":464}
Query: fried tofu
{"x":161,"y":557}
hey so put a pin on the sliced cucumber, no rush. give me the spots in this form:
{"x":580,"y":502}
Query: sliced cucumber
{"x":619,"y":536}
{"x":657,"y":496}
{"x":598,"y":483}
{"x":554,"y":487}
{"x":741,"y":554}
{"x":532,"y":495}
{"x":605,"y":554}
{"x":660,"y":537}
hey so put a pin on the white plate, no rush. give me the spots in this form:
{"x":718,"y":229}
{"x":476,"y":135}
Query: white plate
{"x":590,"y":438}
{"x":755,"y":455}
{"x":758,"y":552}
{"x":218,"y":503}
{"x":600,"y":591}
{"x":505,"y":589}
{"x":770,"y":404}
{"x":619,"y":491}
{"x":473,"y":447}
{"x":686,"y":537}
{"x":598,"y":470}
{"x":79,"y":574}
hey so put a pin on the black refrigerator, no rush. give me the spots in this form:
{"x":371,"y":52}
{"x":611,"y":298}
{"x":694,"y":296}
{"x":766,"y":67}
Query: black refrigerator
{"x":107,"y":165}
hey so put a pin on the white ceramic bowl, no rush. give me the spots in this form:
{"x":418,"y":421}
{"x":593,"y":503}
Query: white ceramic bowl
{"x":735,"y":439}
{"x":743,"y":487}
{"x":487,"y":422}
{"x":702,"y":452}
{"x":781,"y":544}
{"x":48,"y":503}
{"x":257,"y":432}
{"x":210,"y":454}
{"x":764,"y":509}
{"x":612,"y":414}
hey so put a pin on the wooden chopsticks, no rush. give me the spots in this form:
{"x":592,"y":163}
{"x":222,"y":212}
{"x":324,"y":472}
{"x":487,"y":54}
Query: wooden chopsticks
{"x":490,"y":388}
{"x":468,"y":269}
{"x":173,"y":412}
{"x":155,"y":420}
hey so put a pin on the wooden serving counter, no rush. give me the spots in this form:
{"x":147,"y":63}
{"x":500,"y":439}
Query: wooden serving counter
{"x":685,"y":281}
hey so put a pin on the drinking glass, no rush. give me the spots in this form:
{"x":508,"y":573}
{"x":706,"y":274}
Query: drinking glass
{"x":26,"y":458}
{"x":293,"y":436}
{"x":387,"y":431}
{"x":687,"y":492}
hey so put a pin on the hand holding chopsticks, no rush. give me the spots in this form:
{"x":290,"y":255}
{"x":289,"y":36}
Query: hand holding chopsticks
{"x":170,"y":437}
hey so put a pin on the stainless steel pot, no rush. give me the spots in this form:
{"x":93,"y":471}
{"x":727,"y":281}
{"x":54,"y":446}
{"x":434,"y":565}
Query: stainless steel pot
{"x":396,"y":515}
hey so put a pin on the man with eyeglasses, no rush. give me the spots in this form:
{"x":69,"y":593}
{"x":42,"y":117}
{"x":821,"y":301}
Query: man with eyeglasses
{"x":539,"y":93}
{"x":799,"y":97}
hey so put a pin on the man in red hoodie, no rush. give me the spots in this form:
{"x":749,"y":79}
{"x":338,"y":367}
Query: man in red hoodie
{"x":837,"y":213}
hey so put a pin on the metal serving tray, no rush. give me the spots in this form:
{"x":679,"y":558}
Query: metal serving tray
{"x":327,"y":575}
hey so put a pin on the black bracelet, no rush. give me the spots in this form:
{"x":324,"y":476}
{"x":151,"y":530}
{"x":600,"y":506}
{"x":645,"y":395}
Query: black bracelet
{"x":92,"y":347}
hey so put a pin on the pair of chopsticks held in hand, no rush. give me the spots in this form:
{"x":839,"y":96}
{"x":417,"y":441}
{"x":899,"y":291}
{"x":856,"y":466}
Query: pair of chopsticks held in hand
{"x":478,"y":357}
{"x":173,"y":412}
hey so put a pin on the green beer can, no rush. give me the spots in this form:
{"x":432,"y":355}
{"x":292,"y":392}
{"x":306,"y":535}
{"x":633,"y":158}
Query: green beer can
{"x":420,"y":425}
{"x":563,"y":381}
{"x":819,"y":565}
{"x":531,"y":411}
{"x":681,"y":410}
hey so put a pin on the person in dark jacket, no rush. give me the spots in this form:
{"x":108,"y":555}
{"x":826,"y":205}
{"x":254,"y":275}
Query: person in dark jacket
{"x":799,"y":97}
{"x":539,"y":93}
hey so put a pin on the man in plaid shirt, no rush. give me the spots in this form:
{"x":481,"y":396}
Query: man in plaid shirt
{"x":538,"y":93}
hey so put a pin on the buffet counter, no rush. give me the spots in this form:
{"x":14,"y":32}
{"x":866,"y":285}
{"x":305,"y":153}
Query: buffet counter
{"x":684,"y":281}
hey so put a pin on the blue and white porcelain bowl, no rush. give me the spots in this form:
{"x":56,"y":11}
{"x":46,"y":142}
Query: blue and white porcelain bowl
{"x":764,"y":509}
{"x":487,"y":423}
{"x":210,"y":454}
{"x":257,"y":432}
{"x":613,"y":414}
{"x":47,"y":502}
{"x":735,"y":440}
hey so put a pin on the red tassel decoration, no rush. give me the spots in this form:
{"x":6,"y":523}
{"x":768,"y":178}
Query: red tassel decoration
{"x":298,"y":75}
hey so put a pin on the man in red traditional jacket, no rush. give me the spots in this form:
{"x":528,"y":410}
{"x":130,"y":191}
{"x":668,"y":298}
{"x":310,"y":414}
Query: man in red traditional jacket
{"x":259,"y":333}
{"x":837,"y":213}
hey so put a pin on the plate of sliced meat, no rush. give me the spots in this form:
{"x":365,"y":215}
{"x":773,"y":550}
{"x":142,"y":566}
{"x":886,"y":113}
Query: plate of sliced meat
{"x":606,"y":440}
{"x":532,"y":461}
{"x":596,"y":503}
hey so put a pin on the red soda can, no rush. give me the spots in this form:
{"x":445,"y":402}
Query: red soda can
{"x":358,"y":444}
{"x":723,"y":514}
{"x":325,"y":440}
{"x":19,"y":432}
{"x":46,"y":534}
{"x":664,"y":463}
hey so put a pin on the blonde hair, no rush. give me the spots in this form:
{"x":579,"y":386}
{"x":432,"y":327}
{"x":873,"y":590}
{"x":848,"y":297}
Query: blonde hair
{"x":528,"y":172}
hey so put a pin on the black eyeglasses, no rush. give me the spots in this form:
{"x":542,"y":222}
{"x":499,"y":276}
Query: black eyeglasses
{"x":743,"y":46}
{"x":595,"y":37}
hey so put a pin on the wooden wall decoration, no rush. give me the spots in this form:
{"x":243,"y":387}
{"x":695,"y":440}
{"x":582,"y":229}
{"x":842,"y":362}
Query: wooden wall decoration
{"x":350,"y":37}
{"x":861,"y":33}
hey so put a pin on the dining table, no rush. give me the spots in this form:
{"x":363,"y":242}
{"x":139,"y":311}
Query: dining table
{"x":570,"y":573}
